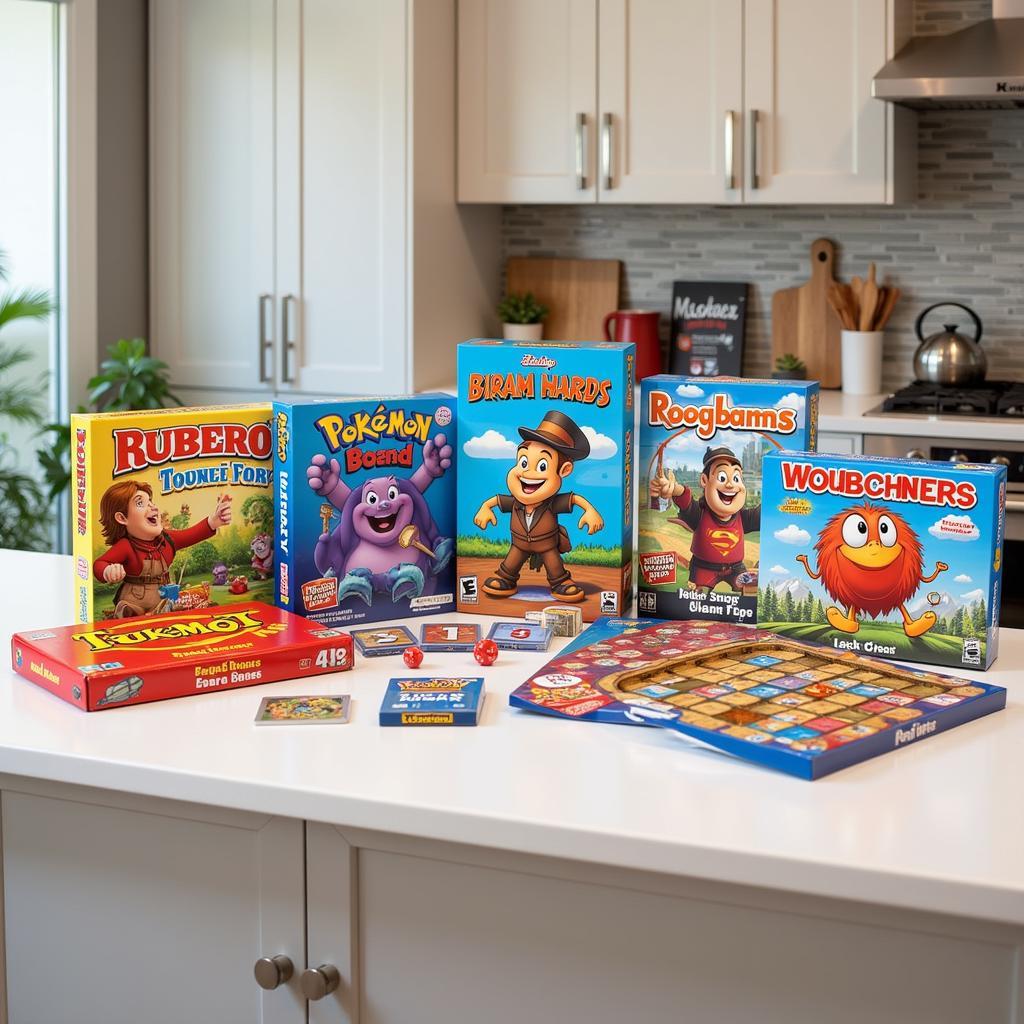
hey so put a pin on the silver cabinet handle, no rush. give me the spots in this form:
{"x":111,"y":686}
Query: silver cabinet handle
{"x":606,"y":150}
{"x":317,"y":982}
{"x":266,"y":342}
{"x":730,"y":149}
{"x":287,"y":340}
{"x":1014,"y":506}
{"x":581,"y":151}
{"x":271,"y":971}
{"x":755,"y":130}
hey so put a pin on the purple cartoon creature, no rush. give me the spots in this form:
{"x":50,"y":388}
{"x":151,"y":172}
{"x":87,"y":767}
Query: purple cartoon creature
{"x":220,"y":575}
{"x":387,"y":541}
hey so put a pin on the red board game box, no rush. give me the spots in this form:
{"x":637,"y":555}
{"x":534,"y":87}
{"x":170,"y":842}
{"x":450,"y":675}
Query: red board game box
{"x":115,"y":662}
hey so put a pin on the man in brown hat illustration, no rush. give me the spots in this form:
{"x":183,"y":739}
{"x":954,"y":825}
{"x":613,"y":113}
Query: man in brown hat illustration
{"x":544,"y":459}
{"x":719,"y":519}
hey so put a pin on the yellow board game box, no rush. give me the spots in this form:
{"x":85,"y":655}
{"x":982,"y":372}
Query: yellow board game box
{"x":171,"y":509}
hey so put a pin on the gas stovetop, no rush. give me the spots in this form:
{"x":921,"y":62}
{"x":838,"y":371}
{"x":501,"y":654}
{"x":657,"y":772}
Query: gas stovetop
{"x":993,"y":398}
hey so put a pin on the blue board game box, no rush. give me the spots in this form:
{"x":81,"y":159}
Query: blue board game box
{"x":702,"y":444}
{"x":545,"y":464}
{"x":365,"y":495}
{"x":435,"y":700}
{"x":889,"y":557}
{"x":796,"y":706}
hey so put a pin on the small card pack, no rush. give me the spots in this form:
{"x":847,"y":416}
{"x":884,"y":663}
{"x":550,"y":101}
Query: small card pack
{"x":449,"y":636}
{"x":520,"y":636}
{"x":433,"y":700}
{"x":382,"y":640}
{"x":333,"y":709}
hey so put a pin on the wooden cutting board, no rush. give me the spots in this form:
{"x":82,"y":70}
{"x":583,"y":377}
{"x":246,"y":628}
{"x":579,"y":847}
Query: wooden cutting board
{"x":578,"y":293}
{"x":805,"y":324}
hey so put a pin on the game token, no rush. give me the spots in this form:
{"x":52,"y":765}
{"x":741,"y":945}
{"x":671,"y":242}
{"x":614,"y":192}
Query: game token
{"x":377,"y":641}
{"x":434,"y":700}
{"x":449,"y":636}
{"x":808,"y":728}
{"x":485,"y":651}
{"x":413,"y":657}
{"x":561,"y":619}
{"x":304,"y":710}
{"x":520,"y":636}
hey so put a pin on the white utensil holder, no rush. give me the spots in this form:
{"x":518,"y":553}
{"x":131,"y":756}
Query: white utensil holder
{"x":862,"y":362}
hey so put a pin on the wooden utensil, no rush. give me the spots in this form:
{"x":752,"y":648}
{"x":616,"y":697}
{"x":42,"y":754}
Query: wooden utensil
{"x":578,"y":293}
{"x":885,"y":307}
{"x":868,"y":300}
{"x":805,"y":324}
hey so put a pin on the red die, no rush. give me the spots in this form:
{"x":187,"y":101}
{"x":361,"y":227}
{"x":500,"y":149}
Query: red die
{"x":413,"y":657}
{"x":485,"y":651}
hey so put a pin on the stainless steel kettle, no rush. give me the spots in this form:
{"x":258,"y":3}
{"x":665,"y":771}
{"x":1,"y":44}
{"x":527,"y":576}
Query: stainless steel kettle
{"x":948,"y":357}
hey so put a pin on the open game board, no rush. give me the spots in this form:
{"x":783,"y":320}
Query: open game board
{"x":803,"y":708}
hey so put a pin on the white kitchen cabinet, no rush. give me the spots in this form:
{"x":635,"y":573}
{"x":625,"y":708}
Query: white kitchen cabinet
{"x":670,"y":98}
{"x":695,"y":101}
{"x":836,"y":443}
{"x":305,"y":235}
{"x":527,"y":102}
{"x":121,"y":910}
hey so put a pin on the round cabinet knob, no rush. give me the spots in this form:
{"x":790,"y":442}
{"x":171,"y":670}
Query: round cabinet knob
{"x":1000,"y":460}
{"x":916,"y":453}
{"x":958,"y":457}
{"x":317,"y":982}
{"x":271,"y":971}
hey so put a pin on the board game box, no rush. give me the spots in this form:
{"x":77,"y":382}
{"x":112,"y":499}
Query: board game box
{"x":433,"y":700}
{"x":171,"y":509}
{"x":545,"y":465}
{"x":888,"y":557}
{"x":117,"y":662}
{"x":702,"y":444}
{"x":365,"y":496}
{"x":800,"y":707}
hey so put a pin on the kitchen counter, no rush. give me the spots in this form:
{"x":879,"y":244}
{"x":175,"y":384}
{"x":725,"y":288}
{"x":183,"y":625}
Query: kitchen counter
{"x":841,"y":413}
{"x":923,"y":827}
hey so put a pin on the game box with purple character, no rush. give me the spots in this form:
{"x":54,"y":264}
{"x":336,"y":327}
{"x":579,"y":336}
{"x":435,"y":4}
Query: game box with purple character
{"x":802,"y":708}
{"x":364,"y":490}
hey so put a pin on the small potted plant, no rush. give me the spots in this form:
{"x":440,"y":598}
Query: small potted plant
{"x":522,"y":316}
{"x":789,"y":367}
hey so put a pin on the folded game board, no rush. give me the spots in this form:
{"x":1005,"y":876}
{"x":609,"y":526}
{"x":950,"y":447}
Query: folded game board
{"x":803,"y":708}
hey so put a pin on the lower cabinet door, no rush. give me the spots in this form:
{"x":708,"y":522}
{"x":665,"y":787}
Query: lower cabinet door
{"x":134,"y":911}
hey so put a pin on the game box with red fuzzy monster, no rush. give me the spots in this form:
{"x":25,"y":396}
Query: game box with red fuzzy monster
{"x":117,"y":662}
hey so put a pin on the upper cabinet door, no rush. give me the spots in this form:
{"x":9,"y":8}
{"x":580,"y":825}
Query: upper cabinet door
{"x":341,"y":186}
{"x":212,"y":190}
{"x":670,"y":95}
{"x":527,"y":101}
{"x":814,"y":133}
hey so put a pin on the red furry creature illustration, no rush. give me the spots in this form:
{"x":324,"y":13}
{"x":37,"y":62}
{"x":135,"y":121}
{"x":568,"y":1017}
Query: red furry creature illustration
{"x":870,"y":562}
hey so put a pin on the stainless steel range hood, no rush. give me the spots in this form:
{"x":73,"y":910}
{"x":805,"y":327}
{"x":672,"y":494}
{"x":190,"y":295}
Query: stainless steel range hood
{"x":980,"y":67}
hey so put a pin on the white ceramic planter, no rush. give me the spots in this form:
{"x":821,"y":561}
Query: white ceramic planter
{"x":523,"y":332}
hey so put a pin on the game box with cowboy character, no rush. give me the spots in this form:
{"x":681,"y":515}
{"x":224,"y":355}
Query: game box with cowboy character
{"x":545,"y":461}
{"x":890,"y":557}
{"x":365,"y":496}
{"x":119,"y":662}
{"x":702,"y":444}
{"x":171,"y":509}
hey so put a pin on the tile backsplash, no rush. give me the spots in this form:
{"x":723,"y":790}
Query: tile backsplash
{"x":962,"y":239}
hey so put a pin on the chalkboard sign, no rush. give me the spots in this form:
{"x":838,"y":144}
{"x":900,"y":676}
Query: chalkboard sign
{"x":708,"y":324}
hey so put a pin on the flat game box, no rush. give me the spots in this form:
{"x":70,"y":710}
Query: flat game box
{"x":702,"y":445}
{"x":117,"y":662}
{"x":888,"y":557}
{"x":799,"y":707}
{"x":545,"y":464}
{"x":365,"y":495}
{"x":171,"y":509}
{"x":435,"y":700}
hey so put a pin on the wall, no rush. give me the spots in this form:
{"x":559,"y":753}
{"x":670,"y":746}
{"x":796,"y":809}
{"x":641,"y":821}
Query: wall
{"x":962,"y":240}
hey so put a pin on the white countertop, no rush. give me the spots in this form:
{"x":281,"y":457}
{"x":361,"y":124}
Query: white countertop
{"x":845,"y":414}
{"x":936,"y":826}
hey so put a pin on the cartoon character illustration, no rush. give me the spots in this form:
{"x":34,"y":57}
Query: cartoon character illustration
{"x":238,"y":585}
{"x":262,"y":549}
{"x":870,"y":562}
{"x":387,"y":540}
{"x":142,"y":548}
{"x":719,"y":519}
{"x":220,"y":575}
{"x":544,"y":460}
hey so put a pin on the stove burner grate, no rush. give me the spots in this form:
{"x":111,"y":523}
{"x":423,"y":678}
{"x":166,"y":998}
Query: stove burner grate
{"x":993,"y":398}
